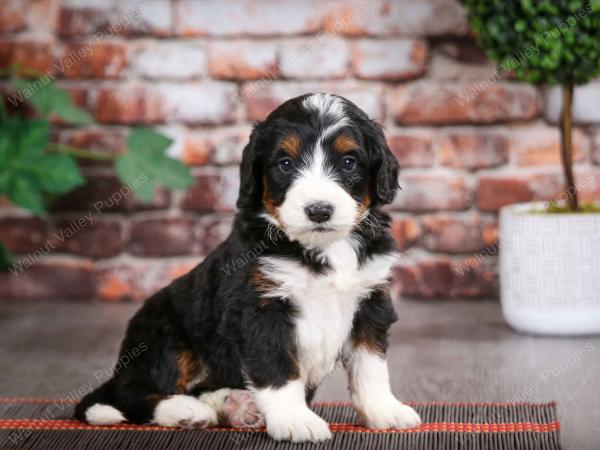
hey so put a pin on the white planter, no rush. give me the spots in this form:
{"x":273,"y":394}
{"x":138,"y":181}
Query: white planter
{"x":550,"y":270}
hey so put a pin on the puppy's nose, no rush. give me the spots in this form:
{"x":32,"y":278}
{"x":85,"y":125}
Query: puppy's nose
{"x":319,"y":212}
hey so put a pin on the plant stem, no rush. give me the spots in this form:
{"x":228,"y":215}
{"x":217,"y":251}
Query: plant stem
{"x":79,"y":152}
{"x":566,"y":148}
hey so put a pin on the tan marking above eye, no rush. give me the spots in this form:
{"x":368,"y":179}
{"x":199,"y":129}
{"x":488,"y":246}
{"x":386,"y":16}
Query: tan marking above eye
{"x":344,"y":144}
{"x":291,"y":145}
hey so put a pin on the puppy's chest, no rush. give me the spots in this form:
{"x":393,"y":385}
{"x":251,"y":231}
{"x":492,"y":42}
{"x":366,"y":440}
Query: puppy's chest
{"x":326,"y":303}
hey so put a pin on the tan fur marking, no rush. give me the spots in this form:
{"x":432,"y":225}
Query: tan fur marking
{"x":188,"y":366}
{"x":291,"y":145}
{"x":344,"y":144}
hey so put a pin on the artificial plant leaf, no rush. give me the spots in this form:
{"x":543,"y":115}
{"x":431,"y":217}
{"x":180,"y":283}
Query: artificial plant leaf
{"x":146,"y":165}
{"x":58,"y":173}
{"x":63,"y":107}
{"x":33,"y":137}
{"x":146,"y":139}
{"x":49,"y":98}
{"x":25,"y":192}
{"x":7,"y":259}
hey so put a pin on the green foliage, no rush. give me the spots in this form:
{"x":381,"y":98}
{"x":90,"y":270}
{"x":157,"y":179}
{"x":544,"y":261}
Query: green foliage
{"x":562,"y":208}
{"x":541,"y":41}
{"x":32,"y":168}
{"x":48,"y":98}
{"x":146,"y":162}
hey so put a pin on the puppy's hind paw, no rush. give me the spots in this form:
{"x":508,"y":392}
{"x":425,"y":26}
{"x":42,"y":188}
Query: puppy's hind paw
{"x":185,"y":412}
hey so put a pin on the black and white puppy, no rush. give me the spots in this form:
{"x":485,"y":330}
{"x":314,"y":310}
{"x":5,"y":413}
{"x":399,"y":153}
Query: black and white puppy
{"x":300,"y":284}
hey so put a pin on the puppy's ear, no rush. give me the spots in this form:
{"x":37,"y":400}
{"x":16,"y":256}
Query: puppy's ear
{"x":384,"y":166}
{"x":250,"y":174}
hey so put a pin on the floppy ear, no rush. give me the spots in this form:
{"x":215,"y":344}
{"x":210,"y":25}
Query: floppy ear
{"x":384,"y":166}
{"x":250,"y":174}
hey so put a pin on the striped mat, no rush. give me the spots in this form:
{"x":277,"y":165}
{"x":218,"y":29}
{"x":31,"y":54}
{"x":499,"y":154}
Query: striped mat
{"x":46,"y":424}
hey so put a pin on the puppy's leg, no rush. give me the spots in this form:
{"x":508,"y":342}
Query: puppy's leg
{"x":271,"y":367}
{"x":364,"y":359}
{"x":288,"y":416}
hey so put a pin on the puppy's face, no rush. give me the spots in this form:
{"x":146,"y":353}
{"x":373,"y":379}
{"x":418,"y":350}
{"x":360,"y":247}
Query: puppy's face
{"x":315,"y":167}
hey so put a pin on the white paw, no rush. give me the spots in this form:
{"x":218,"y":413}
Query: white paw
{"x":184,"y":411}
{"x":298,"y":425}
{"x":388,"y":413}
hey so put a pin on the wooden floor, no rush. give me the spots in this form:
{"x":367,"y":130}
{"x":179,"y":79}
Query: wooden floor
{"x":441,"y":351}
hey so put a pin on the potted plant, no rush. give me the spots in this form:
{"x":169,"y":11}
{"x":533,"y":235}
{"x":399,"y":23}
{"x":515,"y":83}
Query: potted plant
{"x":550,"y":251}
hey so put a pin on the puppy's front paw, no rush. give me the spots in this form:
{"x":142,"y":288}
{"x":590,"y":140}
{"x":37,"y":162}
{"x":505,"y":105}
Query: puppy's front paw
{"x":184,"y":411}
{"x":388,"y":413}
{"x":298,"y":425}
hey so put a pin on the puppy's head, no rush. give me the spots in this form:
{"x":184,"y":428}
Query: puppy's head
{"x":315,"y":167}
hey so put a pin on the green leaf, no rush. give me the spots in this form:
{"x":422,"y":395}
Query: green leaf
{"x":146,"y":139}
{"x":7,"y":259}
{"x":49,"y":98}
{"x":63,"y":107}
{"x":58,"y":173}
{"x":34,"y":135}
{"x":26,"y":193}
{"x":146,"y":166}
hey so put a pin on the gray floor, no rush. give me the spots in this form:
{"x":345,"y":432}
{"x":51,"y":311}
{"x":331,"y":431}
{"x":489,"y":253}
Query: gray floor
{"x":442,"y":351}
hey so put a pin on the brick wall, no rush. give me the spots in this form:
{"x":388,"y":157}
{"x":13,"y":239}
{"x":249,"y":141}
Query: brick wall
{"x":468,"y":141}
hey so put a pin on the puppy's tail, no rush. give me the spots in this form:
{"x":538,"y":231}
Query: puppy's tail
{"x":96,"y":409}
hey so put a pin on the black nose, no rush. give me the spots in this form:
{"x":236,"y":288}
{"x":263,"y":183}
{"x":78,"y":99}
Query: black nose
{"x":319,"y":211}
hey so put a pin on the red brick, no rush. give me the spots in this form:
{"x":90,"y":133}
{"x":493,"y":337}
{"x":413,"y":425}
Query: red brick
{"x":471,"y":149}
{"x":494,"y":192}
{"x":48,"y":278}
{"x":222,"y":146}
{"x":411,"y":148}
{"x":245,"y":17}
{"x":393,"y":17}
{"x":133,"y":279}
{"x":103,"y":193}
{"x":116,"y":18}
{"x":431,"y":192}
{"x":406,"y":232}
{"x":212,"y":232}
{"x":261,"y":98}
{"x":397,"y":59}
{"x":169,"y":60}
{"x":243,"y":60}
{"x":193,"y":103}
{"x":11,"y":16}
{"x":93,"y":60}
{"x":316,"y":57}
{"x":214,"y":191}
{"x":587,"y":181}
{"x":452,"y":102}
{"x":23,"y":234}
{"x":30,"y":54}
{"x":540,"y":146}
{"x":87,"y":235}
{"x":162,"y":237}
{"x":445,"y":278}
{"x":449,"y":234}
{"x":108,"y":141}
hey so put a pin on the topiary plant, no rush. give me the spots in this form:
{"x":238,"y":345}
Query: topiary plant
{"x":34,"y":169}
{"x":553,"y":42}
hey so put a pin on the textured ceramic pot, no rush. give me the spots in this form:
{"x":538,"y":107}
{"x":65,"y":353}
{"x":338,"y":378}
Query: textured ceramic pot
{"x":550,"y":270}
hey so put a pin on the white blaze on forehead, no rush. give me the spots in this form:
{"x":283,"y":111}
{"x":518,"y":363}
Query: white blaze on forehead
{"x":327,"y":106}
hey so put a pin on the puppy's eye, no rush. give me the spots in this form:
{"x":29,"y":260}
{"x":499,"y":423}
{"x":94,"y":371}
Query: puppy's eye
{"x":286,"y":165}
{"x":348,"y":163}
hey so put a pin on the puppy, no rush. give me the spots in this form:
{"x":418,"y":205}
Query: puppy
{"x":300,"y":284}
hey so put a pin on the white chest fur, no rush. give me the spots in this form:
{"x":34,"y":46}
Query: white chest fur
{"x":326,"y":303}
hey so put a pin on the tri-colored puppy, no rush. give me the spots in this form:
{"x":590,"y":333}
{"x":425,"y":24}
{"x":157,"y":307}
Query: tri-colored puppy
{"x":311,"y":291}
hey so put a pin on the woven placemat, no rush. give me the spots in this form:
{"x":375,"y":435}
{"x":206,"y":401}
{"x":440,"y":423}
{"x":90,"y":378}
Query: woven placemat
{"x":48,"y":424}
